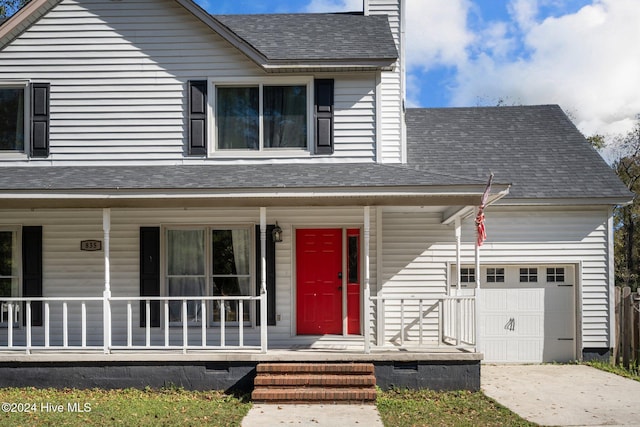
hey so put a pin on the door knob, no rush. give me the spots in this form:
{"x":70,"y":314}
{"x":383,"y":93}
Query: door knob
{"x":340,"y":275}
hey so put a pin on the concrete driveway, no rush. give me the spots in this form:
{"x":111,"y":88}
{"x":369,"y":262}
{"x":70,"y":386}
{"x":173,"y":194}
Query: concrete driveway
{"x":564,"y":395}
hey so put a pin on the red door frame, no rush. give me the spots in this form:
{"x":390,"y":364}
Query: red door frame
{"x":324,"y":281}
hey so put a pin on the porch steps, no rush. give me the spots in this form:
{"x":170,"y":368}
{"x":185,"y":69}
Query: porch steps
{"x":314,"y":383}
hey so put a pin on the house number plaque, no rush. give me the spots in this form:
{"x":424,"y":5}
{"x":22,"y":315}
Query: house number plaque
{"x":91,"y":245}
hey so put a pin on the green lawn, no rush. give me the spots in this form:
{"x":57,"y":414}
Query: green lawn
{"x":38,"y":407}
{"x":400,"y":408}
{"x":170,"y":407}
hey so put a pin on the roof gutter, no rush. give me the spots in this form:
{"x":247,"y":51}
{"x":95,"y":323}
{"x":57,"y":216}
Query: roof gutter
{"x":405,"y":196}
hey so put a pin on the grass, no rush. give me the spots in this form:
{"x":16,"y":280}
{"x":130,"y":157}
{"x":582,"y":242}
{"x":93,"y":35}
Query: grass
{"x":632,"y":372}
{"x":169,"y":407}
{"x":130,"y":407}
{"x":400,"y":408}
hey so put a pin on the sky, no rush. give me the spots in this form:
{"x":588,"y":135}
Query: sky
{"x":581,"y":54}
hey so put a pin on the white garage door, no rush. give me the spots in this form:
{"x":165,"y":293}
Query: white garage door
{"x":529,"y":321}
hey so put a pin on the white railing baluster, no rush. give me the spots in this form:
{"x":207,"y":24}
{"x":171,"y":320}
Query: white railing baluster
{"x":129,"y":325}
{"x":47,"y":314}
{"x":166,"y":323}
{"x":458,"y":321}
{"x":223,"y":317}
{"x":65,"y":325}
{"x":72,"y":331}
{"x":241,"y":323}
{"x":402,"y":322}
{"x":84,"y":324}
{"x":28,"y":327}
{"x":10,"y":325}
{"x":203,"y":329}
{"x":185,"y":331}
{"x":147,"y":323}
{"x":420,"y":316}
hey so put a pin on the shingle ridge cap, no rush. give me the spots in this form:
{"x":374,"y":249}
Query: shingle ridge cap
{"x":483,"y":107}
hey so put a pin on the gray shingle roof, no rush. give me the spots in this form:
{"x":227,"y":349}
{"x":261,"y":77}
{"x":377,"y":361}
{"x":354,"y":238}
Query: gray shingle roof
{"x":230,"y":177}
{"x":535,"y":148}
{"x":315,"y":37}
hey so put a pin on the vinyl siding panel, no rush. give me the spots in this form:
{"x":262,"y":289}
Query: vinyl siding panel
{"x":392,"y":138}
{"x":70,"y":272}
{"x":415,"y":252}
{"x":416,"y":249}
{"x":118,"y":72}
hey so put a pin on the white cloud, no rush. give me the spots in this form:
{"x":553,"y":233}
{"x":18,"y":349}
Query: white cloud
{"x":320,"y":6}
{"x":587,"y":61}
{"x":437,"y":33}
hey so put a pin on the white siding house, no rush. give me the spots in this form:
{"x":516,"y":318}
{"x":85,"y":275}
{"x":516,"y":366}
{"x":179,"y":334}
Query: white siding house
{"x":176,"y":186}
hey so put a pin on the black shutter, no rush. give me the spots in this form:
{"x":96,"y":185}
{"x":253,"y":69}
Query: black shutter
{"x":150,"y":273}
{"x":324,"y":116}
{"x":40,"y":119}
{"x":271,"y":275}
{"x":32,"y":272}
{"x":197,"y":117}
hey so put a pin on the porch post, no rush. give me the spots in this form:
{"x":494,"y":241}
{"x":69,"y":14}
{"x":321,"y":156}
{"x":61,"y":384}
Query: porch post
{"x":263,"y":279}
{"x":106,"y":310}
{"x":367,"y":280}
{"x":458,"y":225}
{"x":477,"y":299}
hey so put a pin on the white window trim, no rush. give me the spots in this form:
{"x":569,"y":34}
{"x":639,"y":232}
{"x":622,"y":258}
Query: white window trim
{"x":17,"y":236}
{"x":20,"y":154}
{"x":164,"y":285}
{"x":212,"y":142}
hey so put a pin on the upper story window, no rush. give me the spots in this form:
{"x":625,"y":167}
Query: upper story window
{"x":261,"y":117}
{"x":13,"y":111}
{"x":248,"y":116}
{"x":24,"y":118}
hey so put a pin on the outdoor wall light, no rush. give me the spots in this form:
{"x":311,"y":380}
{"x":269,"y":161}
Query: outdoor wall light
{"x":277,"y":233}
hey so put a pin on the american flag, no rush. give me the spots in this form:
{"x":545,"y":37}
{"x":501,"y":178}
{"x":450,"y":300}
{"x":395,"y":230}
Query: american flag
{"x":481,"y":230}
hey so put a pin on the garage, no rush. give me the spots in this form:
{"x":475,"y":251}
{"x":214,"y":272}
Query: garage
{"x":526,"y":313}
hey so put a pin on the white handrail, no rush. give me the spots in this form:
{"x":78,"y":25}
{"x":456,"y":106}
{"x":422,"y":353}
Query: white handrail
{"x":66,"y":321}
{"x":426,"y":320}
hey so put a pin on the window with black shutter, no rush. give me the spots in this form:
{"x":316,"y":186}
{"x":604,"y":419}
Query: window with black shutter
{"x":197,"y":109}
{"x":324,"y":111}
{"x":32,"y":271}
{"x":40,"y":119}
{"x":150,"y":273}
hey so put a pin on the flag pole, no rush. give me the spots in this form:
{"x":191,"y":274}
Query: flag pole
{"x":481,"y":232}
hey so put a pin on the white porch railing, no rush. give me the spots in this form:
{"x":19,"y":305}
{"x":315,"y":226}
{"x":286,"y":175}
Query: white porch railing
{"x":70,"y":323}
{"x":425,"y":321}
{"x":78,"y":323}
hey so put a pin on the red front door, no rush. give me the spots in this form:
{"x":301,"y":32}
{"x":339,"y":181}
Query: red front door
{"x":319,"y":281}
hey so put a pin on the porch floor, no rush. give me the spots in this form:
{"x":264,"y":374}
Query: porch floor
{"x":293,"y":354}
